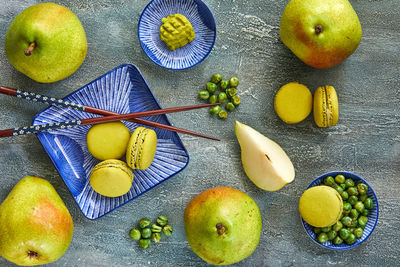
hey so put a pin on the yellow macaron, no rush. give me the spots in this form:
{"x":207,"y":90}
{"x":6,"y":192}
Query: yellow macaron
{"x":141,"y":148}
{"x":108,"y":140}
{"x":293,"y":102}
{"x":321,"y":206}
{"x":111,"y":178}
{"x":326,"y":106}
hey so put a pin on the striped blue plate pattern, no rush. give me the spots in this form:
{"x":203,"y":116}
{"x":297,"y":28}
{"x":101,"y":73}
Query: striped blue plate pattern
{"x":372,"y":216}
{"x":121,"y":90}
{"x":203,"y":23}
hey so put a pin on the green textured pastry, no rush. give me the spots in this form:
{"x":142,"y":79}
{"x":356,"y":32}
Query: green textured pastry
{"x":141,"y":148}
{"x":108,"y":140}
{"x":111,"y":178}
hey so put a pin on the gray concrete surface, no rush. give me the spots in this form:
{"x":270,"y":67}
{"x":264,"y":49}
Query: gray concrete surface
{"x":366,"y":140}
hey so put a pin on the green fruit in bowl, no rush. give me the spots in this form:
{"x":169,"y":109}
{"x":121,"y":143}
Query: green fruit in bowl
{"x":35,"y":225}
{"x":222,"y":225}
{"x":46,"y":42}
{"x":322,"y":33}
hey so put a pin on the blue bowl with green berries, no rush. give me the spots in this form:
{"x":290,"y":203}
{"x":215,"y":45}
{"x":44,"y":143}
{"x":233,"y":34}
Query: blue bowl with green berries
{"x":360,"y":212}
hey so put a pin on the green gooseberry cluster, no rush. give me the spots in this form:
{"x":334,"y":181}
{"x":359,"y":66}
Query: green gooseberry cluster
{"x":221,"y":91}
{"x":148,"y":231}
{"x":356,"y":206}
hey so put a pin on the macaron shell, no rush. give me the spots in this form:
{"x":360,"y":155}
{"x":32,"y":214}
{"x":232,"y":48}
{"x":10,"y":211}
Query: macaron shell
{"x":108,"y":140}
{"x":141,"y":148}
{"x":293,"y":102}
{"x":321,"y":206}
{"x":147,"y":149}
{"x":111,"y":178}
{"x":326,"y":106}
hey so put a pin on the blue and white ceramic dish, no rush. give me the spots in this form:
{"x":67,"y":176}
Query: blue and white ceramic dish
{"x":203,"y":23}
{"x":372,"y":216}
{"x":121,"y":90}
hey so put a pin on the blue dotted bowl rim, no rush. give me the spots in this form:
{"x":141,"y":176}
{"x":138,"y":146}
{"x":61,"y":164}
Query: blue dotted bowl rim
{"x":356,"y":178}
{"x":142,"y":45}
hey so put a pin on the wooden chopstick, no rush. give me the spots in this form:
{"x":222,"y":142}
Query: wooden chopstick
{"x":134,"y":117}
{"x":74,"y":123}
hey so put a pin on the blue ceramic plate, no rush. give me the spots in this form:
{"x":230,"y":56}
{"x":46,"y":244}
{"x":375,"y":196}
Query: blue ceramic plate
{"x":121,"y":90}
{"x":184,"y":57}
{"x":372,"y":216}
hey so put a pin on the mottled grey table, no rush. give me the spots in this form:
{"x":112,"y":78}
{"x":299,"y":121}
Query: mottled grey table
{"x":366,"y":140}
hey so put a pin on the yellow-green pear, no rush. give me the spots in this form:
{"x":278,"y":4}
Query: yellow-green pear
{"x":35,"y":225}
{"x":264,"y":161}
{"x":222,"y":225}
{"x":46,"y":42}
{"x":322,"y":33}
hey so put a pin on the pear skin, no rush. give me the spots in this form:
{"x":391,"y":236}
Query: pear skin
{"x":46,"y":42}
{"x":35,"y":225}
{"x":264,"y":161}
{"x":322,"y":33}
{"x":222,"y":225}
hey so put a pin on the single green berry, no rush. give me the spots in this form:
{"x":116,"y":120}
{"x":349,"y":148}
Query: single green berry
{"x":345,"y":195}
{"x":211,"y":87}
{"x":337,"y":240}
{"x":167,"y":230}
{"x":230,"y":92}
{"x":222,"y":97}
{"x":135,"y":234}
{"x":362,"y":188}
{"x":144,"y":243}
{"x":322,"y":237}
{"x":224,"y":84}
{"x":340,"y":179}
{"x":156,"y":237}
{"x":146,"y":233}
{"x":204,"y":94}
{"x":162,"y":220}
{"x":236,"y":100}
{"x":329,"y":181}
{"x":216,"y":78}
{"x":215,"y":110}
{"x":358,"y":232}
{"x":156,"y":228}
{"x":223,"y":114}
{"x":229,"y":106}
{"x":368,"y":204}
{"x":234,"y":81}
{"x":143,"y":223}
{"x":213,"y":99}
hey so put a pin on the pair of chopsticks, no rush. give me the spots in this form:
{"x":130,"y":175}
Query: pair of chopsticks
{"x":110,"y":116}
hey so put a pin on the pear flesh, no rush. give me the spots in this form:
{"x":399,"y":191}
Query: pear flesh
{"x":264,"y":161}
{"x":35,"y":225}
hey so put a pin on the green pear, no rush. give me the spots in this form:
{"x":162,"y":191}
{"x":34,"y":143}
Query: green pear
{"x":46,"y":42}
{"x":264,"y":161}
{"x":222,"y":225}
{"x":35,"y":225}
{"x":322,"y":33}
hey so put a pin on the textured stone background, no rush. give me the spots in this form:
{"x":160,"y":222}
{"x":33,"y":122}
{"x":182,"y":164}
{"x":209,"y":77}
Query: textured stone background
{"x":366,"y":140}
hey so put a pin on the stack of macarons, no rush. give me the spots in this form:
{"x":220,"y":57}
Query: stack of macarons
{"x":109,"y":142}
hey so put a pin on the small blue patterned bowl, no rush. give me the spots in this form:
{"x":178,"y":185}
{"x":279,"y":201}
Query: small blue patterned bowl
{"x":372,"y":216}
{"x":185,"y":57}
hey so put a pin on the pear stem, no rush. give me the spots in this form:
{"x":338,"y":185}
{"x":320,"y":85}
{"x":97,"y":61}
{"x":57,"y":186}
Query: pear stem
{"x":220,"y":228}
{"x":32,"y":254}
{"x":318,"y":29}
{"x":29,"y":50}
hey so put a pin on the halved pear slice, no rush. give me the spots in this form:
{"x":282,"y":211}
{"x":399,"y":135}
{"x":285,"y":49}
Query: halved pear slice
{"x":264,"y":161}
